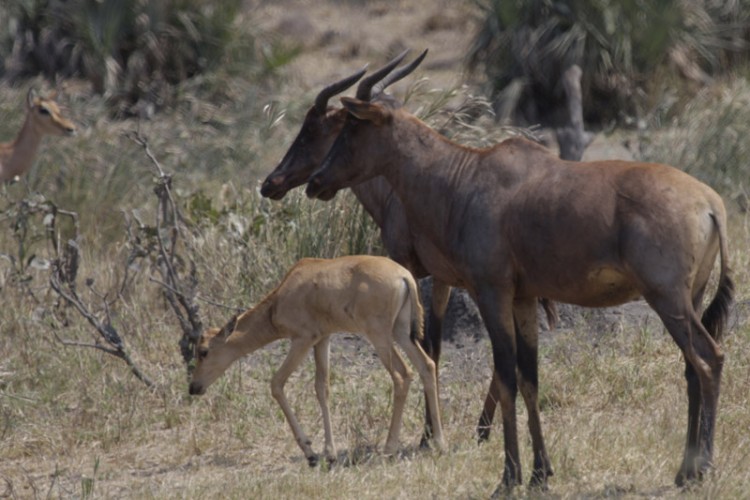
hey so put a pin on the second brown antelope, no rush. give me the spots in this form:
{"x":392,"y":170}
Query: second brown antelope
{"x":43,"y":117}
{"x":373,"y":296}
{"x":518,"y":223}
{"x":320,"y":128}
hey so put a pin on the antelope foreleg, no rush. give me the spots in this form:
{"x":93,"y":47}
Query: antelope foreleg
{"x":497,"y":313}
{"x":484,"y":427}
{"x":297,"y":352}
{"x":527,"y":346}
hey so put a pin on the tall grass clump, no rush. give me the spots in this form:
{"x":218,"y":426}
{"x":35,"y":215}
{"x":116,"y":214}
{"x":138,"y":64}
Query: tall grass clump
{"x":133,"y":52}
{"x":624,"y":49}
{"x":708,"y":139}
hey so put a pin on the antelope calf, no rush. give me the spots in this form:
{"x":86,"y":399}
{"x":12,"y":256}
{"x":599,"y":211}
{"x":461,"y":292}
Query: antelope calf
{"x":43,"y":117}
{"x":370,"y":295}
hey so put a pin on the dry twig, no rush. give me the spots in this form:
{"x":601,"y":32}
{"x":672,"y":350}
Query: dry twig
{"x":178,"y":289}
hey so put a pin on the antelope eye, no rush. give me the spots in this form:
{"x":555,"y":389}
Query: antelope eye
{"x":43,"y":111}
{"x":202,"y":353}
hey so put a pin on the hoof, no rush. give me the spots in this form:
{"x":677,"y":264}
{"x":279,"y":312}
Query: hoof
{"x":542,"y":471}
{"x":692,"y":473}
{"x":687,"y":480}
{"x":538,"y":483}
{"x":503,"y":491}
{"x":313,"y":460}
{"x":424,"y":443}
{"x":483,"y":434}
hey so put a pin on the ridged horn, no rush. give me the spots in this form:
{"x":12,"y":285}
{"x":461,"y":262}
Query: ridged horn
{"x":365,"y":86}
{"x":321,"y":102}
{"x":398,"y":74}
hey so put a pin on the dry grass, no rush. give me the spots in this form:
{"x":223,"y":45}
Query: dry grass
{"x":75,"y":423}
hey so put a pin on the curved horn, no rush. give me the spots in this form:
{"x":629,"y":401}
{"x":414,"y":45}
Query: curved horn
{"x":321,"y":102}
{"x":398,"y":74}
{"x":363,"y":91}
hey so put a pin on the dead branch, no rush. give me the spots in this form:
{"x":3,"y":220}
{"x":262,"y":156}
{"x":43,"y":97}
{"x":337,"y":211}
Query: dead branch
{"x":179,"y":289}
{"x":63,"y":282}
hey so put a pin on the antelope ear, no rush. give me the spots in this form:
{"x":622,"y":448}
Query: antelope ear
{"x":365,"y":110}
{"x":227,"y":329}
{"x":30,"y":97}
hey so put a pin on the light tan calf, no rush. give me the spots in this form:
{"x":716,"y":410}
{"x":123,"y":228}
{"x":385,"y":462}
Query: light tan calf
{"x":373,"y":296}
{"x":43,"y":117}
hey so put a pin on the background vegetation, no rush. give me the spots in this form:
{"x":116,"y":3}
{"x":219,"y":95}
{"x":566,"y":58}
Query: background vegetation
{"x":74,"y":422}
{"x":631,"y":52}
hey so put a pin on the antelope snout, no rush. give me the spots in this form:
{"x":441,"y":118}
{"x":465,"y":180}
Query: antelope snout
{"x":316,"y":189}
{"x":270,"y":187}
{"x":196,"y":389}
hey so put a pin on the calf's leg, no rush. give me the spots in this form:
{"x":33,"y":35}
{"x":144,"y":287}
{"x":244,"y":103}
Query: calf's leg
{"x":432,"y":343}
{"x":297,"y":351}
{"x":427,"y":373}
{"x":322,"y":350}
{"x":401,"y":376}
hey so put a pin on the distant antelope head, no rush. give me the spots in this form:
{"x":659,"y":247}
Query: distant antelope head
{"x":212,"y":356}
{"x":323,"y":123}
{"x":45,"y":115}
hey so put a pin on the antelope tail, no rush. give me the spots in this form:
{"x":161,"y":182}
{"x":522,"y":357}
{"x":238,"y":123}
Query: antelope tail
{"x":715,"y":316}
{"x":417,"y":312}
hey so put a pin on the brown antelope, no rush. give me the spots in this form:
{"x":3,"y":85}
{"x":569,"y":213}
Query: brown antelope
{"x":518,"y":223}
{"x":43,"y":117}
{"x":365,"y":294}
{"x":319,"y":129}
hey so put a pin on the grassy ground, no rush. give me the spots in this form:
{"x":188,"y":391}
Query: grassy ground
{"x":74,"y":422}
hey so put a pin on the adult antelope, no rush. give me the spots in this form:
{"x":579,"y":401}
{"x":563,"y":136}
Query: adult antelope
{"x":320,"y":128}
{"x":364,"y":294}
{"x":43,"y":117}
{"x":517,"y":223}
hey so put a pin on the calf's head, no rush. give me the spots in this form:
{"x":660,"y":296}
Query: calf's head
{"x":213,"y":355}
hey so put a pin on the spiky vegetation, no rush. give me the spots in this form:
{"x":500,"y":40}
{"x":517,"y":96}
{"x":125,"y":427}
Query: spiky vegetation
{"x":709,"y":137}
{"x":133,"y":52}
{"x":525,"y":46}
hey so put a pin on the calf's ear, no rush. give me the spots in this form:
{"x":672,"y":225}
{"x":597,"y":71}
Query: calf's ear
{"x":365,"y":110}
{"x":227,"y":329}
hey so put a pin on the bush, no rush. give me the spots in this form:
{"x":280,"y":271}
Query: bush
{"x":132,"y":51}
{"x":708,"y":139}
{"x":620,"y":46}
